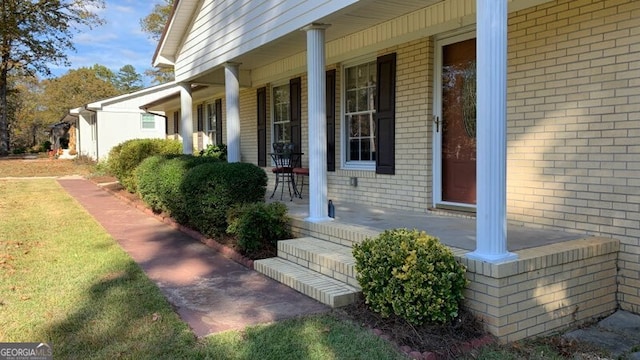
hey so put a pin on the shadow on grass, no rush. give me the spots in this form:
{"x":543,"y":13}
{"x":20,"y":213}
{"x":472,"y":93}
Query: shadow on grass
{"x":123,"y":315}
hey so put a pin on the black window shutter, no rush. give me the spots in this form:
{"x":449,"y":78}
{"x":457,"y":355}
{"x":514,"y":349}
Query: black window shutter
{"x":176,"y":120}
{"x":218,"y":109}
{"x":295,"y":106}
{"x":262,"y":126}
{"x":200,"y":115}
{"x":386,"y":115}
{"x":331,"y":119}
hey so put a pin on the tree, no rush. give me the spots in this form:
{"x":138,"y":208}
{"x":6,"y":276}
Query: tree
{"x":35,"y":34}
{"x":153,"y":24}
{"x":26,"y":126}
{"x":104,"y":73}
{"x":73,"y":89}
{"x":128,"y":80}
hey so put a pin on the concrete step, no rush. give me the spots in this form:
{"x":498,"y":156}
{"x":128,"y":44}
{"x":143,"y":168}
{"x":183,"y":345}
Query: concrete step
{"x":328,"y":258}
{"x":323,"y":288}
{"x":333,"y":231}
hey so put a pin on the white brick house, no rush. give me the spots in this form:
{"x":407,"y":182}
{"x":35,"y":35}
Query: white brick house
{"x":384,"y":91}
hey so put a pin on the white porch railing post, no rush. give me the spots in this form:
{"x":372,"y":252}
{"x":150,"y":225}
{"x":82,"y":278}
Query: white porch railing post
{"x":186,"y":118}
{"x":491,"y":221}
{"x":318,"y":210}
{"x":232,"y":92}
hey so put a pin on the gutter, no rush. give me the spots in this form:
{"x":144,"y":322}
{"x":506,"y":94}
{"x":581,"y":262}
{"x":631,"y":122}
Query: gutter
{"x":166,"y":119}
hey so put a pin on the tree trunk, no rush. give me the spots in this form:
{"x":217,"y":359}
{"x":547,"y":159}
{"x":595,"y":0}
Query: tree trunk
{"x":4,"y":128}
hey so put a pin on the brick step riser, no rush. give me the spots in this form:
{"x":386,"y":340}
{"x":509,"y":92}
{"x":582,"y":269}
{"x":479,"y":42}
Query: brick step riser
{"x":340,"y":266}
{"x":334,"y":232}
{"x":321,"y":288}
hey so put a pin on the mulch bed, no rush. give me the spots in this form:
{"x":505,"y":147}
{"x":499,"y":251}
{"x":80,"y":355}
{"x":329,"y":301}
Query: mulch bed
{"x":432,"y":341}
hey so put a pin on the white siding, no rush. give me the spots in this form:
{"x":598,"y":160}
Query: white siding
{"x":117,"y":127}
{"x":225,"y":29}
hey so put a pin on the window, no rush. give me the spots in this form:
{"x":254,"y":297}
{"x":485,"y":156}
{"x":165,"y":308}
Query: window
{"x":360,"y":109}
{"x":176,"y":122}
{"x":148,"y":122}
{"x":210,"y":123}
{"x":369,"y":115}
{"x":281,"y":114}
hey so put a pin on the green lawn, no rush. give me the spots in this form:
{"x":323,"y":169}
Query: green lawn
{"x":64,"y":280}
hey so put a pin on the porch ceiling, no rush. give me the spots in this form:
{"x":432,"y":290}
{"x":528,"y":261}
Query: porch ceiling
{"x":349,"y":20}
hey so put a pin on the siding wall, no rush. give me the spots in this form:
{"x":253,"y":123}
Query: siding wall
{"x":237,"y":27}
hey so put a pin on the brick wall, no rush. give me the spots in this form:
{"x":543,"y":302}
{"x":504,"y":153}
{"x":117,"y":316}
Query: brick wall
{"x":574,"y":124}
{"x":546,"y":289}
{"x":410,"y":187}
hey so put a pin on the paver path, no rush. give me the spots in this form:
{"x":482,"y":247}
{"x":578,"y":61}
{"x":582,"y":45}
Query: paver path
{"x":209,"y":291}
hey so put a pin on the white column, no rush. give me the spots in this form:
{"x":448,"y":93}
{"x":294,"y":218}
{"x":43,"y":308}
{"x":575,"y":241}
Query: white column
{"x":232,"y":93}
{"x":316,"y":90}
{"x":491,"y":221}
{"x":186,"y":119}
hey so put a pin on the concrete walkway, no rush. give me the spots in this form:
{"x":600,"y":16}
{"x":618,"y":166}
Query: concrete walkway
{"x":209,"y":291}
{"x":618,"y":334}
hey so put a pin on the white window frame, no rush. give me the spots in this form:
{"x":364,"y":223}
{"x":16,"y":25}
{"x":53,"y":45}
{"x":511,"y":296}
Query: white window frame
{"x":273,"y":109}
{"x":147,"y":121}
{"x":369,"y":165}
{"x":210,"y":111}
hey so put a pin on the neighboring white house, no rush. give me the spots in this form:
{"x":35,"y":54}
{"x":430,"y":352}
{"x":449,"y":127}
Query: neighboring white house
{"x":105,"y":123}
{"x":384,"y":92}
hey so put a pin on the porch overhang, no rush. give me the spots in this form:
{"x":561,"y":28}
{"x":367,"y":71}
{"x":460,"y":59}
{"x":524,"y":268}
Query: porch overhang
{"x":172,"y":101}
{"x":388,"y":22}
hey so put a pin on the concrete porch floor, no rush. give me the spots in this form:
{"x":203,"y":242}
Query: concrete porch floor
{"x":453,"y":229}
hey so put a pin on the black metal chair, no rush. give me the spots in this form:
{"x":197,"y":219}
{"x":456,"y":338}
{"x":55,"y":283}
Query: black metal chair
{"x":285,"y":160}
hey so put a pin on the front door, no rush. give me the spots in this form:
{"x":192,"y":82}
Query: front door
{"x":455,"y":122}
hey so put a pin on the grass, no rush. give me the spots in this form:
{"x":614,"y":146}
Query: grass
{"x":67,"y":282}
{"x":21,"y":167}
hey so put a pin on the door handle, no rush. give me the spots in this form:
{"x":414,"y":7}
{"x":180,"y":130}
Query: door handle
{"x":436,"y":120}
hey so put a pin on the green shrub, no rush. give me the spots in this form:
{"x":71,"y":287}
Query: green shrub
{"x":410,"y":274}
{"x":159,"y":179}
{"x":258,"y":225}
{"x":46,"y":146}
{"x":125,"y":157}
{"x":211,"y":189}
{"x":215,"y":151}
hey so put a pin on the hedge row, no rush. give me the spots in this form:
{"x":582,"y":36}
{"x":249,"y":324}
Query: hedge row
{"x":199,"y":191}
{"x":125,"y":157}
{"x":159,"y":179}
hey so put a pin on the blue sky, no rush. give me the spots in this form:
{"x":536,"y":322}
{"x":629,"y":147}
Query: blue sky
{"x":116,"y":43}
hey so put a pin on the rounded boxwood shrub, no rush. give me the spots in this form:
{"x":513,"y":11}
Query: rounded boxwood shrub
{"x":210,"y":190}
{"x":125,"y":157}
{"x":410,"y":274}
{"x":159,"y":179}
{"x":258,"y":225}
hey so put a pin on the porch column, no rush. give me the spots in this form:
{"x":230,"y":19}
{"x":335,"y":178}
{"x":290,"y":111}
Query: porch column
{"x":186,"y":118}
{"x":232,"y":93}
{"x":491,"y":94}
{"x":316,"y":85}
